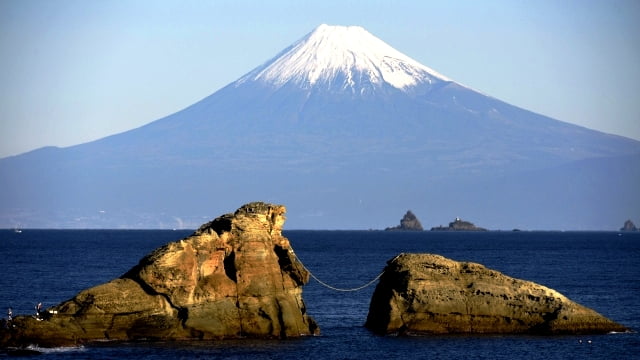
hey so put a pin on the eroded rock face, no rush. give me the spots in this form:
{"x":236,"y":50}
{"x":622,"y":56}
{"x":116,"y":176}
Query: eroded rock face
{"x":459,"y":225}
{"x":430,"y":294}
{"x":234,"y":277}
{"x":409,"y":222}
{"x":629,"y":226}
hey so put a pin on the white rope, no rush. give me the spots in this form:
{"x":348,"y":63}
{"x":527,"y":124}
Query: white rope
{"x":335,"y":288}
{"x":345,"y":290}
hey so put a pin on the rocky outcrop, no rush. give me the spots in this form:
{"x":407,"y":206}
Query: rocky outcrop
{"x":409,"y":222}
{"x":629,"y":226}
{"x":235,"y":277}
{"x":430,"y":294}
{"x":458,"y":225}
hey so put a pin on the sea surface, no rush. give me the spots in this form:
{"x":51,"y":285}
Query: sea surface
{"x":597,"y":269}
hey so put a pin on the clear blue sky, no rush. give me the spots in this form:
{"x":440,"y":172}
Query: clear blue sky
{"x":75,"y":71}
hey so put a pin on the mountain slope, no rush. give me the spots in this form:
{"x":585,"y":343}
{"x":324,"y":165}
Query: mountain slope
{"x":347,"y":132}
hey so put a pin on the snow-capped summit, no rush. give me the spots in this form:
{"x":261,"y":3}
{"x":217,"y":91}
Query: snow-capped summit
{"x":342,"y":58}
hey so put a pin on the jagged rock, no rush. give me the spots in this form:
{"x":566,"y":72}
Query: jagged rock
{"x":236,"y":276}
{"x":459,"y":225}
{"x":629,"y":226}
{"x":409,"y":222}
{"x":430,"y":294}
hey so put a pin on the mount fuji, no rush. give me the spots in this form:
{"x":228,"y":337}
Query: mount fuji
{"x":347,"y":132}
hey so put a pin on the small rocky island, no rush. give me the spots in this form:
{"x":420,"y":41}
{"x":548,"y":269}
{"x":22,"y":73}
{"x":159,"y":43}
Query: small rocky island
{"x":429,"y":294}
{"x":458,"y":225}
{"x":234,"y":277}
{"x":409,"y":222}
{"x":629,"y":226}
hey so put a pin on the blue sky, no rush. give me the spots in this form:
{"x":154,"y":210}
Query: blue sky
{"x":75,"y":71}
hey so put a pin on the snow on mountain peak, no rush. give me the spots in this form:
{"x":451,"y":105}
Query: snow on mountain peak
{"x":348,"y":57}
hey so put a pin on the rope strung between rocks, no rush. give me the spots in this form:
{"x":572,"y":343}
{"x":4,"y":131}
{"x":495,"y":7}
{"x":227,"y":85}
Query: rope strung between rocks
{"x":333,"y":287}
{"x":344,"y":290}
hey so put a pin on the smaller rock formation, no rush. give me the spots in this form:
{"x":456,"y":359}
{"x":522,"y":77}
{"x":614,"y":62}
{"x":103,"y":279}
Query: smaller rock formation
{"x":458,"y":225}
{"x":235,"y":277}
{"x":629,"y":226}
{"x":409,"y":222}
{"x":430,"y":294}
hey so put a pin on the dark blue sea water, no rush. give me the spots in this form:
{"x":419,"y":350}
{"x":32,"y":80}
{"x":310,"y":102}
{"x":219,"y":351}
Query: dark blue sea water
{"x":597,"y":269}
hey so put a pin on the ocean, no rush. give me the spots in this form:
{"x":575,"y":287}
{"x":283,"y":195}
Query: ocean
{"x":600,"y":270}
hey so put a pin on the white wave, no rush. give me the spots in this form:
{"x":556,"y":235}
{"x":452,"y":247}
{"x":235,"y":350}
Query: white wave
{"x":60,"y":349}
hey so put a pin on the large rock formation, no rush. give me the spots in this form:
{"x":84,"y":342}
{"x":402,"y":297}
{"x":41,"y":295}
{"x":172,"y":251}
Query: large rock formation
{"x":409,"y":222}
{"x":236,"y":276}
{"x":430,"y":294}
{"x":629,"y":226}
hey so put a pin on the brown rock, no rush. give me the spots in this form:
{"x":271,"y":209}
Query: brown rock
{"x":458,"y":225}
{"x":409,"y":222}
{"x":234,"y":277}
{"x":430,"y":294}
{"x":629,"y":226}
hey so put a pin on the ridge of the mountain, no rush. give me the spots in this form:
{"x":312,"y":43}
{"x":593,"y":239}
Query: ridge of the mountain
{"x":343,"y":58}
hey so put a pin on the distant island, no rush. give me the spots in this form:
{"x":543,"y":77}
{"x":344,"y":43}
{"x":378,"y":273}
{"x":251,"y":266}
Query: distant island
{"x":458,"y":225}
{"x":629,"y":226}
{"x":409,"y":222}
